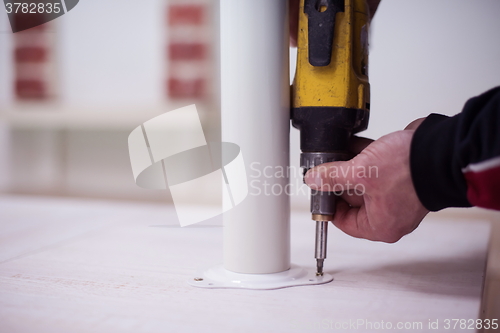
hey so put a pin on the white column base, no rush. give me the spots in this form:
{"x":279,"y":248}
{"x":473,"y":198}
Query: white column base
{"x":219,"y":277}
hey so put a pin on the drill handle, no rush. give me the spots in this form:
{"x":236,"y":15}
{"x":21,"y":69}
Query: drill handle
{"x":320,"y":29}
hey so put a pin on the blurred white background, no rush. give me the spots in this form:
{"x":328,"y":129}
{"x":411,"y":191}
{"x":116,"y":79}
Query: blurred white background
{"x":425,"y":56}
{"x":113,"y":62}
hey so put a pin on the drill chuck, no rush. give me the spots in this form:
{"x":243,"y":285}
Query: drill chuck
{"x":322,"y":202}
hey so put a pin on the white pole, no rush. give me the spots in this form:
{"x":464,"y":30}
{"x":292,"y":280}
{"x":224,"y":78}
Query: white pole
{"x":255,"y":115}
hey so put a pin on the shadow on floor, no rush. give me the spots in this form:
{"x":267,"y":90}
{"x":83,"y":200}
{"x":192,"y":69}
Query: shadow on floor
{"x":447,"y":276}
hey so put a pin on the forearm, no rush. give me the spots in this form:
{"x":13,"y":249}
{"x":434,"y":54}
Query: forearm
{"x":455,"y":161}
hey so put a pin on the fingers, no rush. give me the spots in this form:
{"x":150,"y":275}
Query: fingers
{"x":352,"y":198}
{"x":355,"y":221}
{"x":347,"y":219}
{"x":332,"y":177}
{"x":359,"y":143}
{"x":294,"y":21}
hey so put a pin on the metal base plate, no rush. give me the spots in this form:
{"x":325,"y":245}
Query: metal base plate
{"x":219,"y":277}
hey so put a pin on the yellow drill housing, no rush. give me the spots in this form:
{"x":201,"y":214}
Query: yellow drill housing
{"x":331,"y":93}
{"x":344,"y":81}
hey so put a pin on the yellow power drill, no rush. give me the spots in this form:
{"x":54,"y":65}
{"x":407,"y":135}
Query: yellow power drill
{"x":330,"y":93}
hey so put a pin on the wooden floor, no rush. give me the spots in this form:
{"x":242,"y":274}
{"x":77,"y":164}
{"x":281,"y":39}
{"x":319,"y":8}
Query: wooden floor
{"x":491,"y":302}
{"x":94,"y":266}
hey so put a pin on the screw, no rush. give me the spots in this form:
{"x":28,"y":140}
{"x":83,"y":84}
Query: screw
{"x":198,"y":279}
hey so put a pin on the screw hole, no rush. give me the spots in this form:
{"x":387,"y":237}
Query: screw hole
{"x":210,"y":284}
{"x":311,"y":280}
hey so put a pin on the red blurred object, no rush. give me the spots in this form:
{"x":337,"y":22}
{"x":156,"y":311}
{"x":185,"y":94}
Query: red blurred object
{"x":178,"y":88}
{"x":186,"y":14}
{"x":30,"y":54}
{"x":33,"y":61}
{"x":31,"y":89}
{"x":188,"y":17}
{"x":185,"y":51}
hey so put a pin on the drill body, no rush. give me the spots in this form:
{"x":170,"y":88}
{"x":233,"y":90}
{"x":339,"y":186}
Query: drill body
{"x":330,"y":93}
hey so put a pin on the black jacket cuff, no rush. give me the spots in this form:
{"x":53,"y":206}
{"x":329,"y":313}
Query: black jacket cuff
{"x":435,"y":168}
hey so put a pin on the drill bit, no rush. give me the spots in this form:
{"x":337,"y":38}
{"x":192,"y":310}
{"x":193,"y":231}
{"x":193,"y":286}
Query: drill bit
{"x":320,"y":249}
{"x":319,"y":267}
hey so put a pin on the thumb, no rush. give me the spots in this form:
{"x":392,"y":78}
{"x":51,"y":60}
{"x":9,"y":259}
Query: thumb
{"x":332,"y":177}
{"x":414,"y":124}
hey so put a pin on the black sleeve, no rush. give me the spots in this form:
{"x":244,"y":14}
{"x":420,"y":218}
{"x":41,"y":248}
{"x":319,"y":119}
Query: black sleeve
{"x":453,"y":159}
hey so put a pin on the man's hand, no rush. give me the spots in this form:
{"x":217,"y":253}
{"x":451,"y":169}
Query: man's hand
{"x":378,"y":200}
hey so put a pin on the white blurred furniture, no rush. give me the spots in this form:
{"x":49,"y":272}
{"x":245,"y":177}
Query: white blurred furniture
{"x":71,"y":265}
